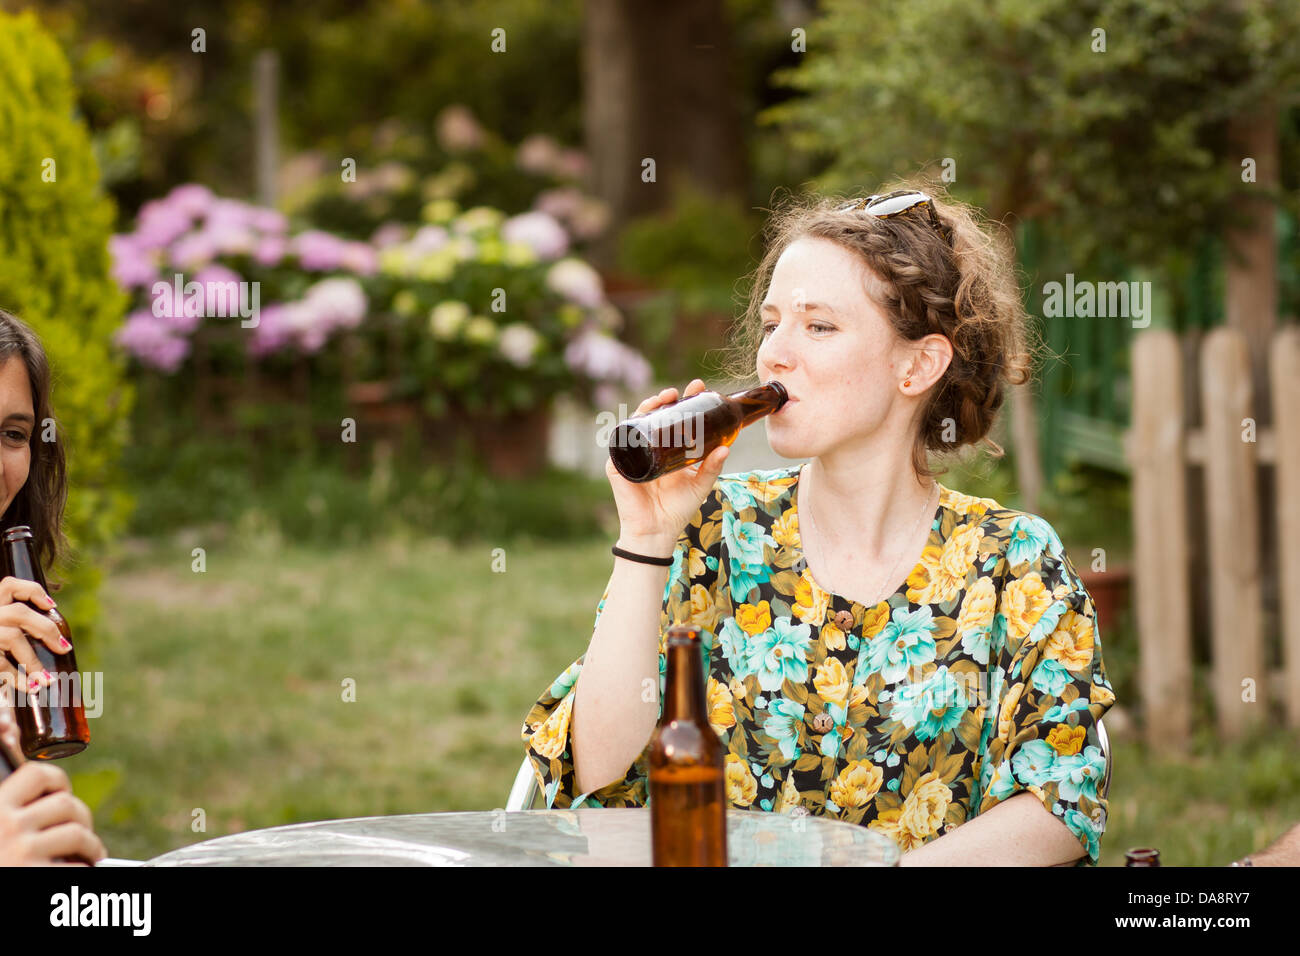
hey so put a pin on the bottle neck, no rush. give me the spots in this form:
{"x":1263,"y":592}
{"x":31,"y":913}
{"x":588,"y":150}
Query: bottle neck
{"x":684,"y":697}
{"x":759,"y":401}
{"x":20,"y":561}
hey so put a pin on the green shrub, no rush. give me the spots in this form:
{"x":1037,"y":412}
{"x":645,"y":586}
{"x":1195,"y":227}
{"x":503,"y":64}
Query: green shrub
{"x":54,"y":226}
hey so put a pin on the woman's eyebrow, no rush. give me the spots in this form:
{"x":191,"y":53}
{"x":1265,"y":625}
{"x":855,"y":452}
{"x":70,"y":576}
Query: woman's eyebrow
{"x":22,"y":417}
{"x":807,"y":307}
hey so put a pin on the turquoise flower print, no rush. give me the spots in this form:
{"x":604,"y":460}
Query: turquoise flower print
{"x":564,"y":683}
{"x":998,"y":636}
{"x":1058,"y":713}
{"x":977,"y":642}
{"x":736,"y":648}
{"x":1050,"y":677}
{"x":1029,"y":537}
{"x":1035,"y":763}
{"x":737,"y":491}
{"x":832,"y":740}
{"x":932,"y":706}
{"x":781,"y":652}
{"x":1081,"y":826}
{"x":998,"y":781}
{"x":905,"y":642}
{"x":745,"y":542}
{"x":1078,"y":774}
{"x":783,"y":726}
{"x":679,"y":558}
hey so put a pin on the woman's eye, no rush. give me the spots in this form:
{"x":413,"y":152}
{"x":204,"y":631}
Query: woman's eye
{"x":17,"y":437}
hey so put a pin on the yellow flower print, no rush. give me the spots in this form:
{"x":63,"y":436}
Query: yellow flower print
{"x":703,"y":611}
{"x":920,"y":816}
{"x":968,"y":504}
{"x":810,"y":601}
{"x":833,"y":637}
{"x":856,"y":785}
{"x":767,"y":491}
{"x":1008,"y":711}
{"x":785,"y":529}
{"x":1067,"y":741}
{"x":1072,"y":642}
{"x":789,"y":796}
{"x":754,"y":618}
{"x":736,"y":687}
{"x":859,"y":696}
{"x":548,"y":740}
{"x":832,"y":681}
{"x":978,"y":607}
{"x":1097,"y":694}
{"x":696,"y":563}
{"x":874,"y":621}
{"x":1023,"y":602}
{"x":721,"y":713}
{"x":741,"y":786}
{"x":925,"y":807}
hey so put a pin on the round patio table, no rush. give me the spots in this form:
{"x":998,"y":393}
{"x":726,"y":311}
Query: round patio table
{"x":590,"y":837}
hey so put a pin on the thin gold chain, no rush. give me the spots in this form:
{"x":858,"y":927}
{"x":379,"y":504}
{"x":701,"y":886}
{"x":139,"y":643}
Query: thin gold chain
{"x":888,"y":577}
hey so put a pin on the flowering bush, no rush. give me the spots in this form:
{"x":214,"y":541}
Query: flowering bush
{"x":482,"y":312}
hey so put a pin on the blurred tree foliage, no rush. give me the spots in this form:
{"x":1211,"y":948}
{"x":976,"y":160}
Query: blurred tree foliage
{"x":1124,"y":150}
{"x":54,"y":226}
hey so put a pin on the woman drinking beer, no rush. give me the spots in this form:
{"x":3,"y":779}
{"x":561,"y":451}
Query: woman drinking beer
{"x":40,"y":820}
{"x":882,"y":649}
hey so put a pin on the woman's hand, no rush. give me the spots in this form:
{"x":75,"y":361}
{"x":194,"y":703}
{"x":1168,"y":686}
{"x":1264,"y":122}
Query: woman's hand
{"x":652,"y":513}
{"x":41,"y":822}
{"x":18,"y":622}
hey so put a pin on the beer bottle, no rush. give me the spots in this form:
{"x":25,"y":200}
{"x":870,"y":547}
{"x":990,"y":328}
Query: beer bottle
{"x":52,"y":722}
{"x":645,"y":447}
{"x":1143,"y":856}
{"x":688,"y":808}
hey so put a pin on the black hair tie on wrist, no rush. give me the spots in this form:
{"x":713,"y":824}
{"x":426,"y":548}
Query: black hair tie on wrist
{"x":642,"y":558}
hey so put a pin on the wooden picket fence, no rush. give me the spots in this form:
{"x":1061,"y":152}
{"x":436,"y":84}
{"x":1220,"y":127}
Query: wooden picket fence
{"x":1170,"y":382}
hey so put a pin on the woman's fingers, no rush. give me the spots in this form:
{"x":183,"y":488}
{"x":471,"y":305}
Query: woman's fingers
{"x":55,"y":809}
{"x":31,"y":781}
{"x":15,"y":642}
{"x":17,"y":589}
{"x":35,"y":624}
{"x":68,"y":840}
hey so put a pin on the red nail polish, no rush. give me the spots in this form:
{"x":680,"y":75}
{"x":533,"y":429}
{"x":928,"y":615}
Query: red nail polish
{"x":63,"y":643}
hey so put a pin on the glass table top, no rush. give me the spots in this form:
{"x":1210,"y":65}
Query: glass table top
{"x":589,"y":837}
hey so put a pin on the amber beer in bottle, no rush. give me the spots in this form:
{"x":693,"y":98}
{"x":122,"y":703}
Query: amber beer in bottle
{"x":673,"y":436}
{"x":52,"y":722}
{"x":688,"y":810}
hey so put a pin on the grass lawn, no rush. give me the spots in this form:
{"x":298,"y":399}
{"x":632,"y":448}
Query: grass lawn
{"x":225,"y":694}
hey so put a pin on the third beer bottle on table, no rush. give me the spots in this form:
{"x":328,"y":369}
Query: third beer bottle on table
{"x":688,"y":808}
{"x":674,"y":436}
{"x":52,"y":722}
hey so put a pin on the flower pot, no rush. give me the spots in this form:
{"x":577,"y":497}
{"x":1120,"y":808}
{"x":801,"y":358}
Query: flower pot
{"x":514,"y":446}
{"x":1110,"y":594}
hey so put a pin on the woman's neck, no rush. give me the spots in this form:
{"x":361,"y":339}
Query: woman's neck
{"x":873,"y":507}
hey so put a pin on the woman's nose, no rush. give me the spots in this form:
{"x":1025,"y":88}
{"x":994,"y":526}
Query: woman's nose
{"x":775,"y":352}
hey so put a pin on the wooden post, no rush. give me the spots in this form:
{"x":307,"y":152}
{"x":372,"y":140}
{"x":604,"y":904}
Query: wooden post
{"x":266,"y":70}
{"x":1285,"y":374}
{"x":1232,"y":509}
{"x":1162,"y":597}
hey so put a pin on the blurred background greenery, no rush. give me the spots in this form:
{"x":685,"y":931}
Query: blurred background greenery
{"x":477,"y":169}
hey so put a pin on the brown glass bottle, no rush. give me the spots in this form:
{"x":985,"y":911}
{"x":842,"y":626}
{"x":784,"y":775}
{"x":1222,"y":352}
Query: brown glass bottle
{"x":688,"y":808}
{"x":645,"y":447}
{"x":1143,"y":856}
{"x":52,"y":722}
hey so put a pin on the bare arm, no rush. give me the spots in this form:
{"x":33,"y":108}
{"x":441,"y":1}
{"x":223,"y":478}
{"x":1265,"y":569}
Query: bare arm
{"x":1019,"y":831}
{"x":614,"y":708}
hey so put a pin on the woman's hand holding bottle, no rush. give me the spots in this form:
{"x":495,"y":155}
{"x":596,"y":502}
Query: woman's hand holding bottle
{"x":652,"y":514}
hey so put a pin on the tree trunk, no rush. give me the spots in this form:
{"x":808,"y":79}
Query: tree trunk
{"x":1251,"y":263}
{"x":659,"y":85}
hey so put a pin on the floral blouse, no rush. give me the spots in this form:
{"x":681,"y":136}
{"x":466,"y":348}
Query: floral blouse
{"x":979,"y":678}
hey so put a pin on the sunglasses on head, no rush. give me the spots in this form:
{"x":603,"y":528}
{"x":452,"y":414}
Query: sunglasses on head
{"x":895,"y":204}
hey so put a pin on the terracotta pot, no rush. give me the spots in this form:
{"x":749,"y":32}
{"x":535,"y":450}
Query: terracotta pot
{"x":1110,"y":594}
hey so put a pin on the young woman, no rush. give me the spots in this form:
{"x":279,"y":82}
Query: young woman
{"x":883,"y":650}
{"x":41,"y":821}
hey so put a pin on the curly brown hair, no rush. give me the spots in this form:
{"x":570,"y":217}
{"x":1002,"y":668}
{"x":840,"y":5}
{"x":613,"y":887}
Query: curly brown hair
{"x":40,"y":502}
{"x":968,"y":291}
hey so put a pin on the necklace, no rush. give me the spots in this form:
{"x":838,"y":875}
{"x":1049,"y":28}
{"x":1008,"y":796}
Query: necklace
{"x":888,"y":577}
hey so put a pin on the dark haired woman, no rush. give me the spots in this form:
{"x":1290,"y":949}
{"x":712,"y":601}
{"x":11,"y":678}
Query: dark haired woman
{"x":883,"y":650}
{"x":40,"y":820}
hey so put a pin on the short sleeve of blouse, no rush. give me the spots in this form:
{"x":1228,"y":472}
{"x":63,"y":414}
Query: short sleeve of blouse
{"x":1047,"y":690}
{"x":546,"y":732}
